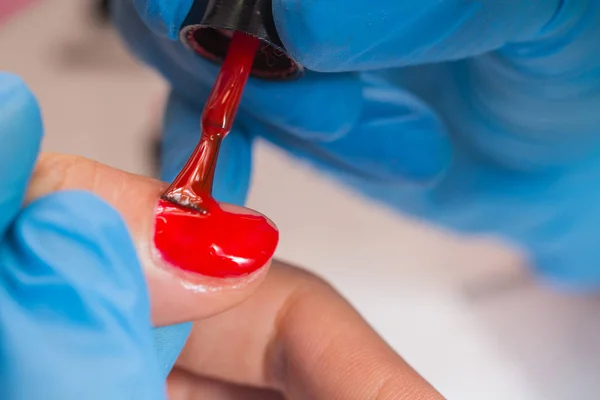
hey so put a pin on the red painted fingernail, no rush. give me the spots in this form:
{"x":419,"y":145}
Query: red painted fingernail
{"x":215,"y":243}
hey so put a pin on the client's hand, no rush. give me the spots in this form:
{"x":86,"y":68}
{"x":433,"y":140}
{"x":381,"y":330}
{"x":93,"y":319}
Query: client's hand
{"x":294,"y":338}
{"x":76,"y":318}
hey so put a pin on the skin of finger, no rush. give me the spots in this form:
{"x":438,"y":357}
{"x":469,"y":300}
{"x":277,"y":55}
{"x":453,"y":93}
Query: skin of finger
{"x":183,"y":385}
{"x":298,"y":336}
{"x":175,"y":297}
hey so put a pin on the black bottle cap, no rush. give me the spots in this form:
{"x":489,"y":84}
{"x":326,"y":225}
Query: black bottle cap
{"x":210,"y":23}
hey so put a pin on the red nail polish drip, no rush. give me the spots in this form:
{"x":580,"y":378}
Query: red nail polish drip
{"x":192,"y":231}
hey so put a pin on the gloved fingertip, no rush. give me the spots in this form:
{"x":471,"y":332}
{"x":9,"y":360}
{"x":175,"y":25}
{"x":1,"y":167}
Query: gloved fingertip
{"x":164,"y":17}
{"x":307,"y":30}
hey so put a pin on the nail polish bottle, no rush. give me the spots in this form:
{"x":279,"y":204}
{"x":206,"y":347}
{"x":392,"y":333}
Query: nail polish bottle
{"x":208,"y":28}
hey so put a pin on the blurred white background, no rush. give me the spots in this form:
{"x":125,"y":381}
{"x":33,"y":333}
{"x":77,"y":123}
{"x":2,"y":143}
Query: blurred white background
{"x":461,"y":311}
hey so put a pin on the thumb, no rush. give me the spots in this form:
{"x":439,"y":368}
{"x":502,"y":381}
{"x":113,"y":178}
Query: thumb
{"x":74,"y":312}
{"x":339,"y":35}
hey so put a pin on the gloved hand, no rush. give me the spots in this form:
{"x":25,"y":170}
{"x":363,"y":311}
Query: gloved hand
{"x":493,"y":103}
{"x":74,"y":312}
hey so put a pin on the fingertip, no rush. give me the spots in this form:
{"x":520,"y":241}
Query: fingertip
{"x":305,"y":29}
{"x":192,"y":279}
{"x":164,"y":17}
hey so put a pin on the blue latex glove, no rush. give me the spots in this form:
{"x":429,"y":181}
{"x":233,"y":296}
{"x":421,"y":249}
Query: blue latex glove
{"x":501,"y":96}
{"x":74,"y":312}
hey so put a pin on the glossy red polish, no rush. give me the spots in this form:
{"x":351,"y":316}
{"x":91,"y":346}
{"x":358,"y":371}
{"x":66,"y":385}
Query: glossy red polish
{"x":219,"y":243}
{"x":192,"y":231}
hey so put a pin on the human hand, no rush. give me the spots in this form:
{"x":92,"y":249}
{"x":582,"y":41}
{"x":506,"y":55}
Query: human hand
{"x":292,"y":337}
{"x":74,"y":315}
{"x":514,"y":86}
{"x":506,"y":90}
